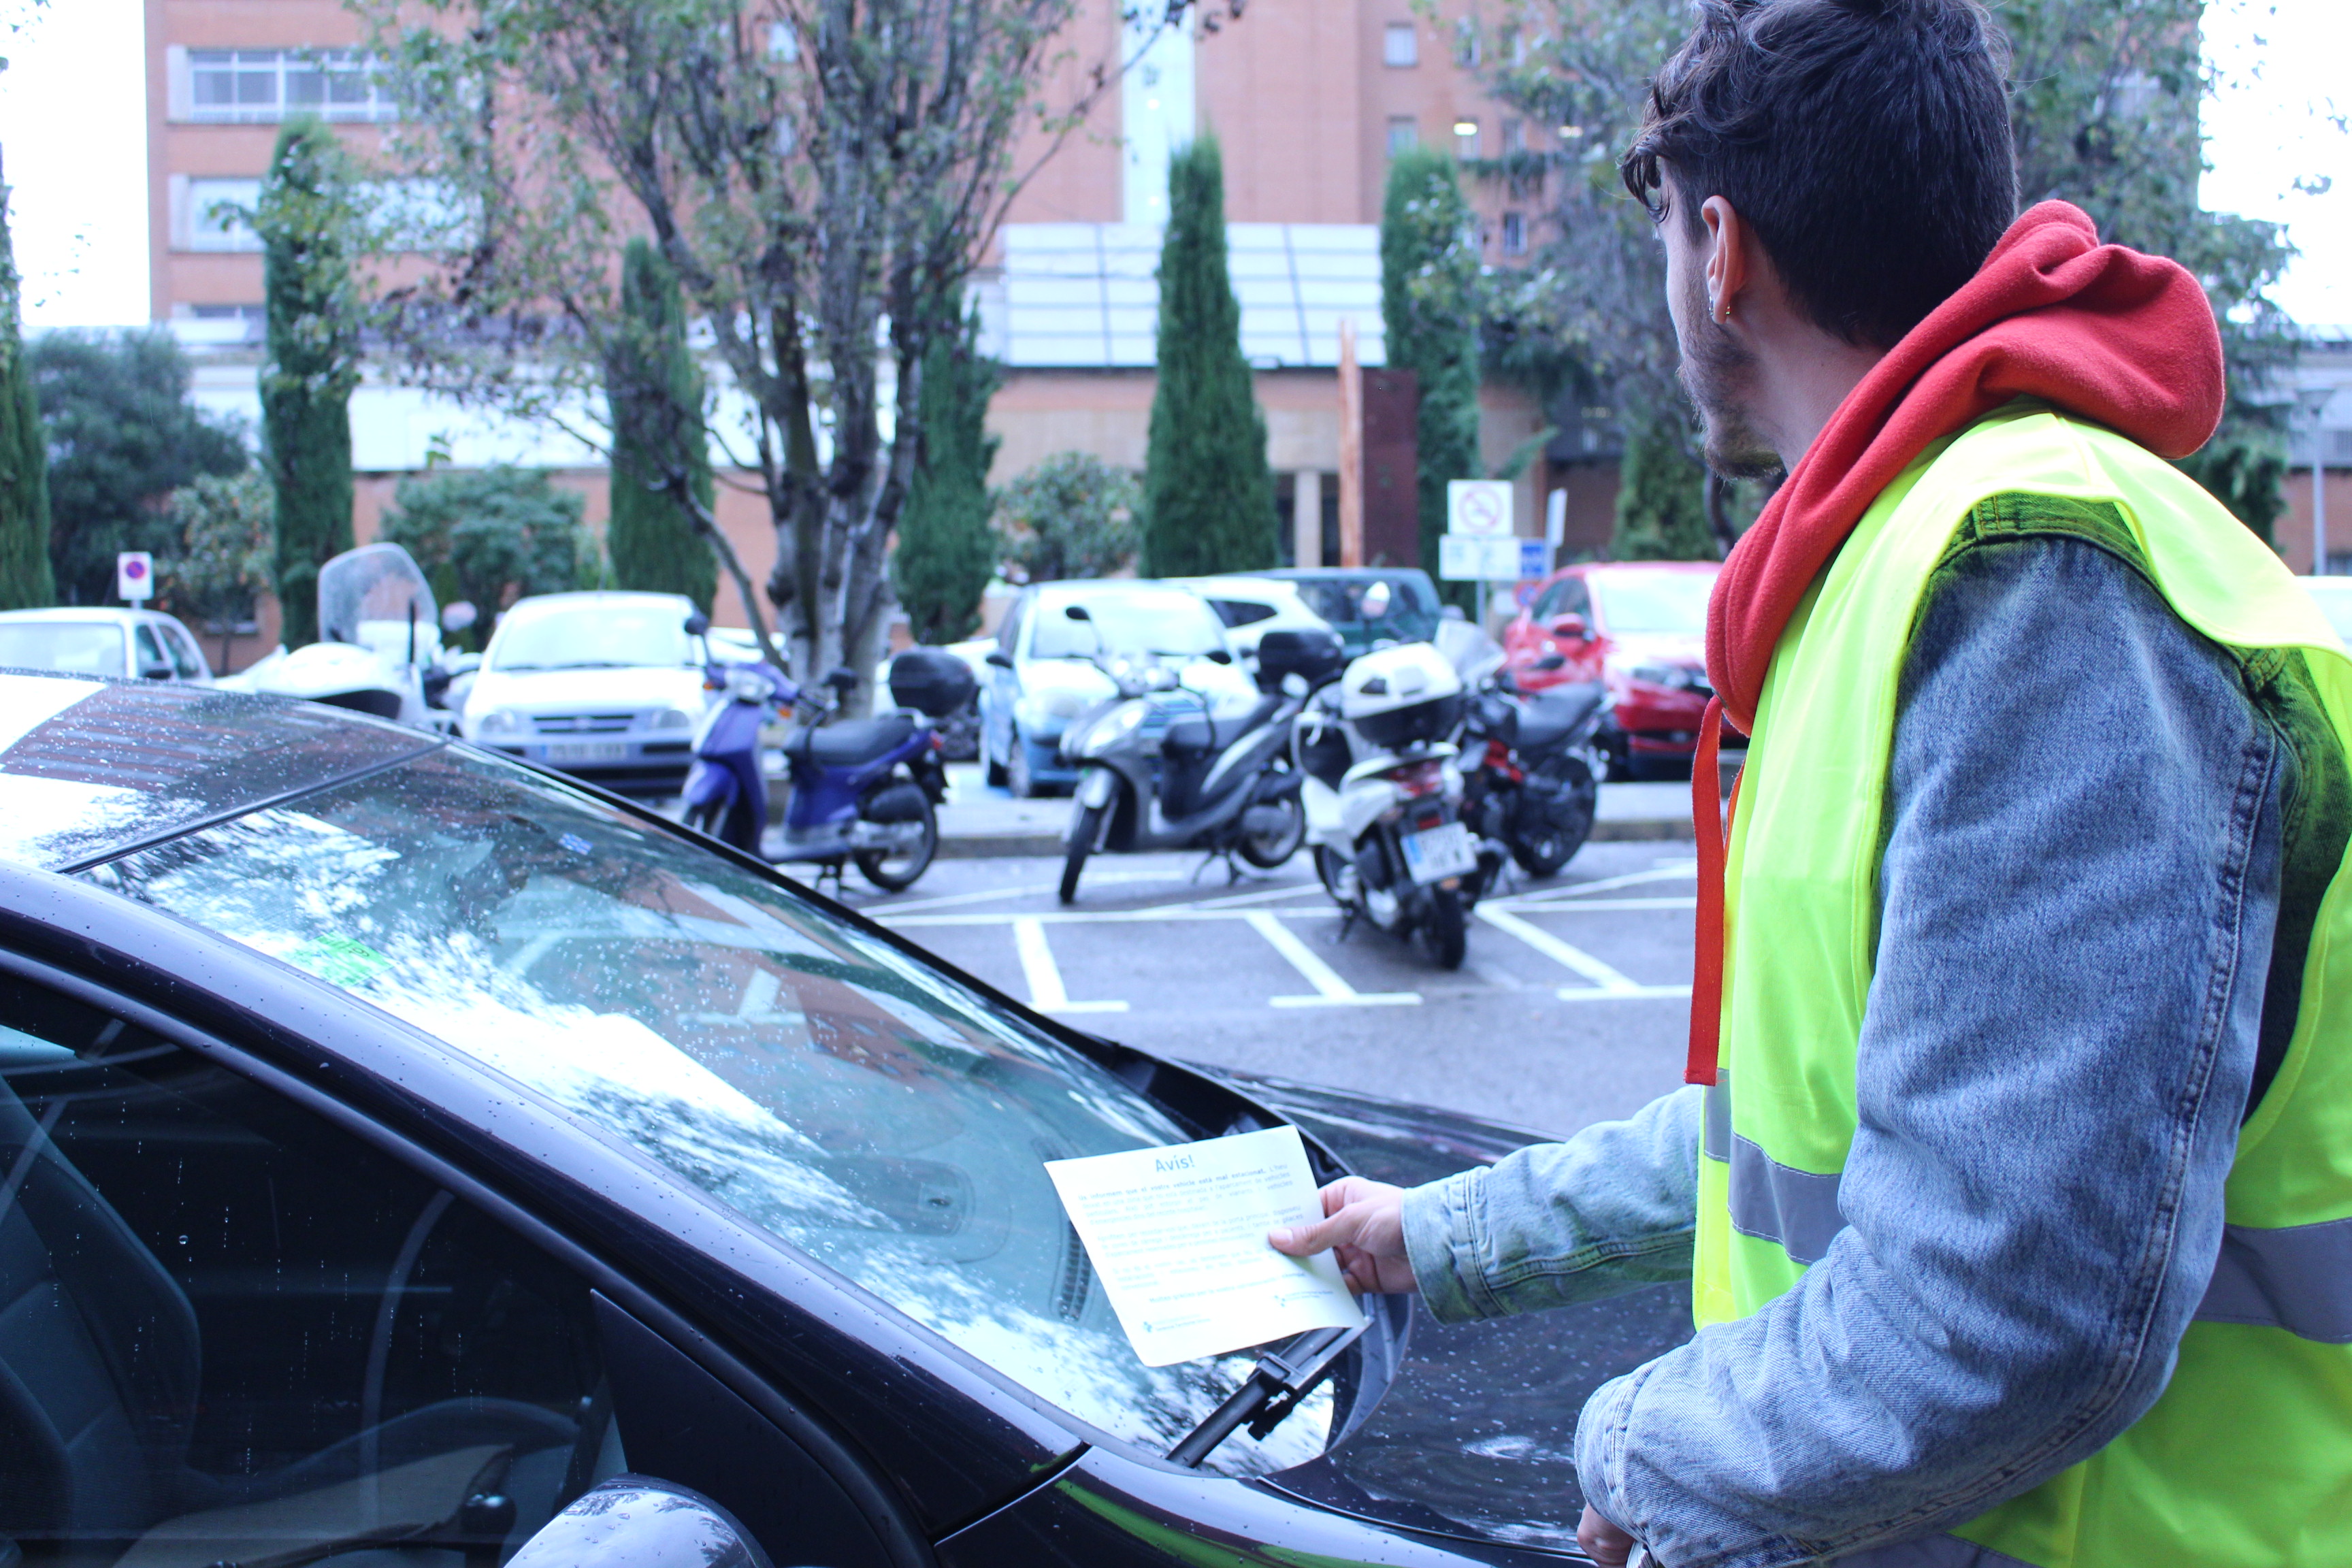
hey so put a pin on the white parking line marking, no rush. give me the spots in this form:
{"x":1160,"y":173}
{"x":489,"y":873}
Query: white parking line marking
{"x":1576,"y":906}
{"x":1680,"y":871}
{"x":987,"y":893}
{"x":1559,"y":952}
{"x":1044,"y":978}
{"x":1330,"y":991}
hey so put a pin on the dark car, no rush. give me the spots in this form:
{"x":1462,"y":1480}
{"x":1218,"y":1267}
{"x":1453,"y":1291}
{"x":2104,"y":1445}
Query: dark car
{"x":397,"y":1142}
{"x":1368,"y":605}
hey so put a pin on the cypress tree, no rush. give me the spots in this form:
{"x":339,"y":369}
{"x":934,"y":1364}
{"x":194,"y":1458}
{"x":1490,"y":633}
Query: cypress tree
{"x":947,"y":550}
{"x":653,"y":391}
{"x":25,"y":579}
{"x":1429,"y":309}
{"x":306,"y":228}
{"x":1208,"y":493}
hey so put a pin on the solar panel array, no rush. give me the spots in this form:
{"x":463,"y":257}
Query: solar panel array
{"x":1083,"y":295}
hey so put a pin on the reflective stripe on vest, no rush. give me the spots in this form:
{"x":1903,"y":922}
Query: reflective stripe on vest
{"x":2298,"y":1277}
{"x":2246,"y":1461}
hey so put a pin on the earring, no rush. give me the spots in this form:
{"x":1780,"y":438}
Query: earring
{"x":1722,"y":311}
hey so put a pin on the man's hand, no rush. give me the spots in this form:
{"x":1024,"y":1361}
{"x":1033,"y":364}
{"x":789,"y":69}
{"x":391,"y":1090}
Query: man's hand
{"x":1363,"y":1225}
{"x":1603,"y":1542}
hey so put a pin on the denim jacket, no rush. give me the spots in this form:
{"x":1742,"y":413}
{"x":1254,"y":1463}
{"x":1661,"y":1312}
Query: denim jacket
{"x":2081,"y":879}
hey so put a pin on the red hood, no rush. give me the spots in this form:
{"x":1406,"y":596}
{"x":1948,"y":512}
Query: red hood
{"x":2121,"y":338}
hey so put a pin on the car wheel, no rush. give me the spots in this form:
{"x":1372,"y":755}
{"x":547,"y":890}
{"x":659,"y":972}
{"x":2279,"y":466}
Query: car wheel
{"x":994,"y":769}
{"x":1017,"y":775}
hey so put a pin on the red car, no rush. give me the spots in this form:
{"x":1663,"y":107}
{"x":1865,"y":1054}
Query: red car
{"x":1639,"y":627}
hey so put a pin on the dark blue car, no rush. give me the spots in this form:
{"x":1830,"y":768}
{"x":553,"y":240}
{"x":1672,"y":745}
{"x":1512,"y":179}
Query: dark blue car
{"x":398,"y":1143}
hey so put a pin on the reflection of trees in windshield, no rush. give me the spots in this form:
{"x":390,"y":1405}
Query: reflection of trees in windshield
{"x":825,"y":1086}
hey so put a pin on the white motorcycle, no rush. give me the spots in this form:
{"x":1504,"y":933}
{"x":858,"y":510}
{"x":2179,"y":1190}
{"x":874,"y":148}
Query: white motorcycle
{"x":1383,"y":809}
{"x":379,"y":649}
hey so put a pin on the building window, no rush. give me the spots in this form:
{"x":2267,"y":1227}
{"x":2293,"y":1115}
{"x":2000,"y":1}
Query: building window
{"x":251,"y":86}
{"x":1515,"y":137}
{"x":208,"y":214}
{"x":1515,"y":234}
{"x":1399,"y":45}
{"x":1465,"y":44}
{"x":1466,"y":138}
{"x":1403,"y":134}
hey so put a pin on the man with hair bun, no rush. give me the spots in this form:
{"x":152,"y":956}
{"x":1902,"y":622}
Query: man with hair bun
{"x":2014,"y":1180}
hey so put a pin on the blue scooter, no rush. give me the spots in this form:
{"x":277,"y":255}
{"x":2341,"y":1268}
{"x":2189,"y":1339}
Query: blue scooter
{"x":862,"y":789}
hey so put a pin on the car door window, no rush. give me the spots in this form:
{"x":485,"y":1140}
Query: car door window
{"x":1008,"y":635}
{"x":233,"y":1332}
{"x":1241,"y":612}
{"x":189,"y":663}
{"x":152,"y":655}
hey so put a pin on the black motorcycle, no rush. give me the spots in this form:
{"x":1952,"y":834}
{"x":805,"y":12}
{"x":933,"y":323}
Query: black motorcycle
{"x":1532,"y":770}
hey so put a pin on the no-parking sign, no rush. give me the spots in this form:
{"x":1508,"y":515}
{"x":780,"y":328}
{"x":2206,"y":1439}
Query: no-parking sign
{"x":1481,"y":508}
{"x":134,"y":575}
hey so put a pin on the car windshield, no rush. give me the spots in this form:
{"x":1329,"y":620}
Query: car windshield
{"x":594,"y":637}
{"x":1654,"y":602}
{"x":1176,"y":624}
{"x":823,"y":1085}
{"x":79,"y":647}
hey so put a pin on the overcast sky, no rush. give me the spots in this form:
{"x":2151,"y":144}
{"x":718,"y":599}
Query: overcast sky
{"x":73,"y":131}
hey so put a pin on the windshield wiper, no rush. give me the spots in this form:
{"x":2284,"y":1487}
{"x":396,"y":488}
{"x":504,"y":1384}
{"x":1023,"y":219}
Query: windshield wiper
{"x":1276,"y":1384}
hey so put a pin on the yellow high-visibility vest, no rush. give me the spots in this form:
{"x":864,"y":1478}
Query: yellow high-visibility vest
{"x":2245,"y":1461}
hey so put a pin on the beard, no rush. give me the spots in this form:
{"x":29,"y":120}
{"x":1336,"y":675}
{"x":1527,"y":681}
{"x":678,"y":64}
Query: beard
{"x":1717,"y":374}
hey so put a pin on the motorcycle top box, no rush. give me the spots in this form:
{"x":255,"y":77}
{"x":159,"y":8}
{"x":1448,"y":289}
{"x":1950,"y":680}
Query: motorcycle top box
{"x":1403,"y":696}
{"x":1315,"y":657}
{"x":932,"y":681}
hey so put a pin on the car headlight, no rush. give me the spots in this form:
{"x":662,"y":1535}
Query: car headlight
{"x":1111,"y":729}
{"x":673,"y":719}
{"x":500,"y":721}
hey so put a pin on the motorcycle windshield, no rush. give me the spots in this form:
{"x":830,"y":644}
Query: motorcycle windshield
{"x":1466,"y":645}
{"x":370,"y":596}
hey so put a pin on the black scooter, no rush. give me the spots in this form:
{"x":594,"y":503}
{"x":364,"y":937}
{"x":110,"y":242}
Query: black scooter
{"x":1532,"y":770}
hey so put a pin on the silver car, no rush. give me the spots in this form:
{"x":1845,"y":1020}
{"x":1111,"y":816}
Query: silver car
{"x":131,"y":644}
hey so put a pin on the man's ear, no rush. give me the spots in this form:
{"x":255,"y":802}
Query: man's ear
{"x":1727,"y":246}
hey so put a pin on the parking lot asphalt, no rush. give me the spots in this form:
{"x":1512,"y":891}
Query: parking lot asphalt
{"x":1572,"y":1007}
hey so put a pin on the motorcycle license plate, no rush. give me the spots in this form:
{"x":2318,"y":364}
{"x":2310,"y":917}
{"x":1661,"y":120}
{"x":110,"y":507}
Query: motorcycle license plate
{"x":589,"y":751}
{"x":1437,"y":852}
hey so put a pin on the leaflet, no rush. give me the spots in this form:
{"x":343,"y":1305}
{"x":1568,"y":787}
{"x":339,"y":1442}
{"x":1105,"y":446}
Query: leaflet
{"x":1178,"y":1238}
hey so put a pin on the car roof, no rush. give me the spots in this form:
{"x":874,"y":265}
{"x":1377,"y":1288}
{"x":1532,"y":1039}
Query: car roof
{"x":1342,"y":573}
{"x":91,"y":768}
{"x":1071,"y":587}
{"x":1267,"y":588}
{"x":588,"y":598}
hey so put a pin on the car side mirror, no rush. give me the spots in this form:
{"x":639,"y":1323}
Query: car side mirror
{"x":1550,"y":661}
{"x":636,"y":1522}
{"x":1219,"y":656}
{"x":998,"y":658}
{"x":1077,"y":613}
{"x":697,"y":625}
{"x":155,"y":672}
{"x":1571,"y":627}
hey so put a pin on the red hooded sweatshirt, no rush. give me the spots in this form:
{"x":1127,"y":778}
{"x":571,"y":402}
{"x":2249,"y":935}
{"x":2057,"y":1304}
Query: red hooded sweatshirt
{"x":2109,"y":335}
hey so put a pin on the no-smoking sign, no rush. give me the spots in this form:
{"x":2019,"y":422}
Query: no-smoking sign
{"x":1478,"y":507}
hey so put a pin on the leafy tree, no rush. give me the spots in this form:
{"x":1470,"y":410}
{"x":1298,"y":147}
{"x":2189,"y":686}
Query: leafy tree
{"x":308,"y":227}
{"x":1073,"y":515}
{"x":1430,"y":301}
{"x":492,"y":535}
{"x":227,"y":555}
{"x":25,"y":582}
{"x":1208,"y":491}
{"x":653,"y":393}
{"x":1660,"y":501}
{"x":947,"y":551}
{"x":2104,"y":110}
{"x":121,"y":436}
{"x":813,"y":173}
